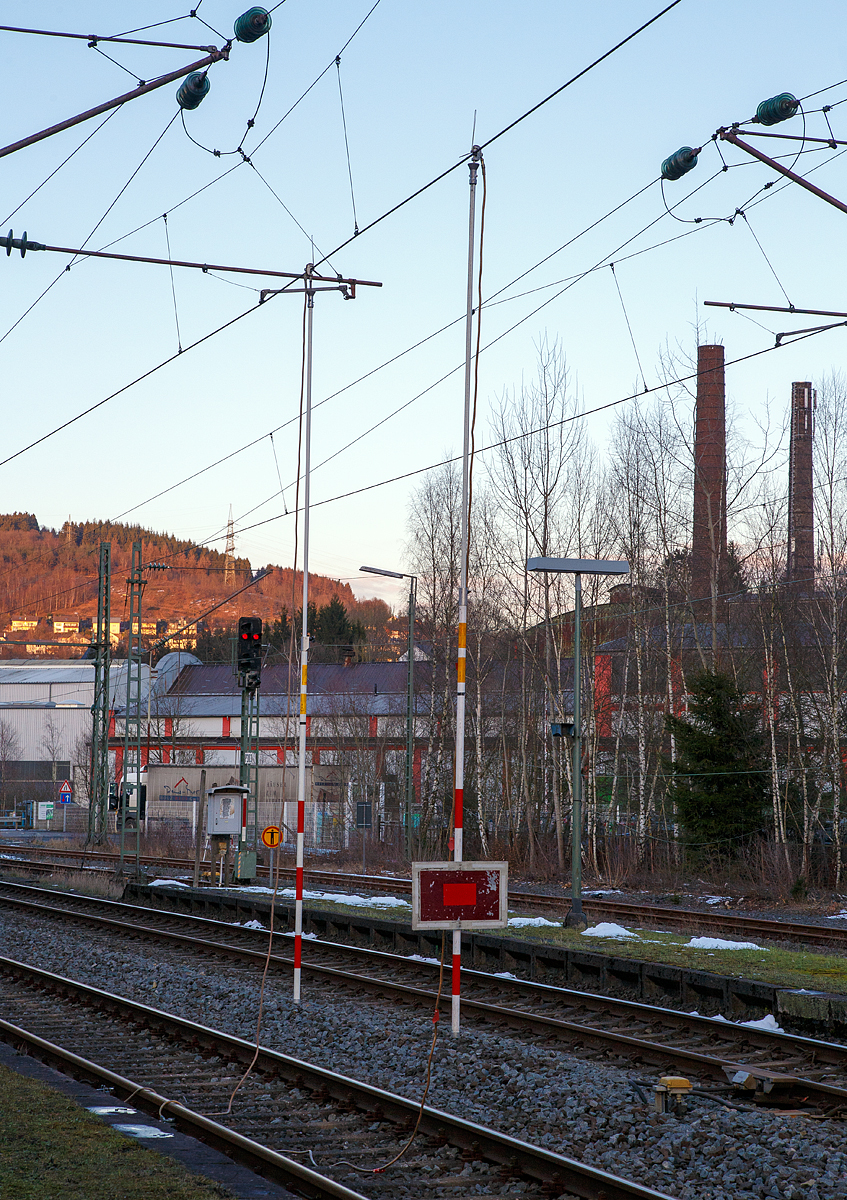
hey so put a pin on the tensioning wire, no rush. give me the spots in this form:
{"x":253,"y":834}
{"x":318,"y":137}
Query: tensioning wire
{"x":368,"y":374}
{"x":408,"y":199}
{"x":524,"y":434}
{"x":510,"y":126}
{"x":56,"y":170}
{"x":576,"y":279}
{"x":68,"y":266}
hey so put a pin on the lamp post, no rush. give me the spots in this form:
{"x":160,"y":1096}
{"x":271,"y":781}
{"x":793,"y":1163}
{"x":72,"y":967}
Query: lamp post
{"x":410,"y":700}
{"x":577,"y":567}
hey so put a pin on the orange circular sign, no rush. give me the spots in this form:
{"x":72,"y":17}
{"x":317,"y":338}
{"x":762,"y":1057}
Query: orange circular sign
{"x":270,"y":836}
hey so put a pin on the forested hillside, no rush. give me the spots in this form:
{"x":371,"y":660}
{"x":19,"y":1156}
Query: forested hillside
{"x":48,"y":572}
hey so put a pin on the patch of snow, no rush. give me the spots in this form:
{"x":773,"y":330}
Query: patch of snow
{"x":524,"y":922}
{"x":608,"y":929}
{"x":249,"y":924}
{"x":767,"y":1022}
{"x":421,"y":958}
{"x":839,"y":916}
{"x":358,"y":901}
{"x":504,"y":975}
{"x":707,"y":943}
{"x":167,"y":883}
{"x":716,"y":899}
{"x":353,"y":900}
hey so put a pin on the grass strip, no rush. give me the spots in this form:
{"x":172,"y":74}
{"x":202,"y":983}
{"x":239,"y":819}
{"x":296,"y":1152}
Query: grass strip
{"x":772,"y":964}
{"x":51,"y":1149}
{"x":811,"y":969}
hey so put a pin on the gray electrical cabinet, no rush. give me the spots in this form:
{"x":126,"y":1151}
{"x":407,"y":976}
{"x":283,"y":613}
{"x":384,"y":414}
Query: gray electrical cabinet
{"x":223,"y":810}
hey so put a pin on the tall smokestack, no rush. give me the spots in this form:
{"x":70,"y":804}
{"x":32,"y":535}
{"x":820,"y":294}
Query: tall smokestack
{"x":801,"y":514}
{"x":708,"y":543}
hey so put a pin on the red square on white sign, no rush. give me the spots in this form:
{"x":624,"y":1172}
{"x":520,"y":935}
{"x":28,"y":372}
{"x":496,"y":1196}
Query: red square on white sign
{"x":467,"y":895}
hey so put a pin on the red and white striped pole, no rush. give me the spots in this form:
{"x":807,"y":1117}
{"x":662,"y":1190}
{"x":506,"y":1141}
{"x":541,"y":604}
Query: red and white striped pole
{"x":458,"y":796}
{"x":304,"y":654}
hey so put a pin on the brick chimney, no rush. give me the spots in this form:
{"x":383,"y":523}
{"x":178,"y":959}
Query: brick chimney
{"x":801,"y":513}
{"x":708,"y":543}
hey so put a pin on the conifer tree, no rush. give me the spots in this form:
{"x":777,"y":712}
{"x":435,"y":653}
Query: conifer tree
{"x":720,"y":779}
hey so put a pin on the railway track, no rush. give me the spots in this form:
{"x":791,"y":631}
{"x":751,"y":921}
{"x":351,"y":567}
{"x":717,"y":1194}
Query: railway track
{"x":666,"y":917}
{"x":320,"y":1133}
{"x":771,"y":1067}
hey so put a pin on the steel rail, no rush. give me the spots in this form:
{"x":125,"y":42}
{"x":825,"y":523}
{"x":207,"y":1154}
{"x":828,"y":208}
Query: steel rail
{"x":660,"y":1053}
{"x":252,"y":1154}
{"x":533,"y":1162}
{"x":662,"y":916}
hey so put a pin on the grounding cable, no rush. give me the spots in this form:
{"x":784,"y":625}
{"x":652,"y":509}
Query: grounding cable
{"x":435,"y":1019}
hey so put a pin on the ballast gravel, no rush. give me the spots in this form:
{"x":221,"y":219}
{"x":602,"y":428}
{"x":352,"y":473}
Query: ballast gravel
{"x":544,"y":1095}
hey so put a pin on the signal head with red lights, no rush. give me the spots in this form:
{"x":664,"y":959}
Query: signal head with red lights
{"x":249,"y":650}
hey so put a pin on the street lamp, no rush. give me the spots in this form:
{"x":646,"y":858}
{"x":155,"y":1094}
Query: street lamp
{"x":577,"y":567}
{"x":410,"y":700}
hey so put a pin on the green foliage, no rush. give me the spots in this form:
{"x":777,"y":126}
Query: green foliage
{"x":332,"y":627}
{"x":720,"y":777}
{"x":334,"y":634}
{"x":18,"y":521}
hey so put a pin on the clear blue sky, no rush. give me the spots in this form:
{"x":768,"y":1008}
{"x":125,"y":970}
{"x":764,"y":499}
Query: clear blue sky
{"x":412,"y":79}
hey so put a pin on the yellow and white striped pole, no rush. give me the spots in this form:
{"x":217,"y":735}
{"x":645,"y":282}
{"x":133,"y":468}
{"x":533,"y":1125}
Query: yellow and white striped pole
{"x":458,"y":794}
{"x":304,"y":653}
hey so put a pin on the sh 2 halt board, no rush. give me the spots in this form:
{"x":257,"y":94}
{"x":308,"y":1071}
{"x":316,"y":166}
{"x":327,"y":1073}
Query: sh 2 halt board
{"x":467,"y":895}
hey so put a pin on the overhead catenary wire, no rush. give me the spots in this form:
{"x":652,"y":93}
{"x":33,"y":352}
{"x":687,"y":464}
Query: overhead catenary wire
{"x":278,"y":473}
{"x":282,"y":203}
{"x":359,"y":437}
{"x":68,"y":266}
{"x":746,"y":219}
{"x":395,"y":358}
{"x":221,"y":328}
{"x":93,"y":46}
{"x":63,"y":163}
{"x":520,"y":436}
{"x":501,"y":131}
{"x":255,"y":441}
{"x":507,"y":128}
